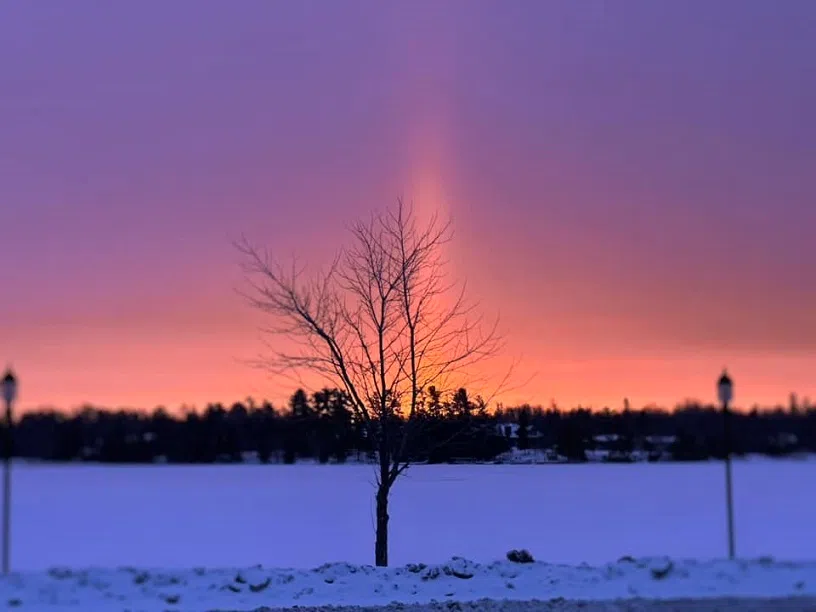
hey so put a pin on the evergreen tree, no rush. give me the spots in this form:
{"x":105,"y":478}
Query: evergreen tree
{"x":302,"y":420}
{"x":524,"y":428}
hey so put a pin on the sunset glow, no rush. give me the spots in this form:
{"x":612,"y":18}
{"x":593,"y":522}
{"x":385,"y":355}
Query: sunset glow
{"x":638,"y":210}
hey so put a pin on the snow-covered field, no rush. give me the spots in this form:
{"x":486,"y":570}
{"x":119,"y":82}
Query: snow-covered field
{"x":307,"y":515}
{"x":304,"y":516}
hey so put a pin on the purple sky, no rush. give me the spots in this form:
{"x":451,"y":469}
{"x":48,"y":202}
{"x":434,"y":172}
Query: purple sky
{"x":633,"y":183}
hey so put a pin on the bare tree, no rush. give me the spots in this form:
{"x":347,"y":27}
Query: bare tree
{"x":382,"y":323}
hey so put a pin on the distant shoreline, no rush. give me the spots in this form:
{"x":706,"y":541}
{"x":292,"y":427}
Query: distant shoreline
{"x":795,"y":458}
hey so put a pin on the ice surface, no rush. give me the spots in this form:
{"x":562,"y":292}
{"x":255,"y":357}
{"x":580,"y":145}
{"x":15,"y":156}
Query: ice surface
{"x":306,"y":515}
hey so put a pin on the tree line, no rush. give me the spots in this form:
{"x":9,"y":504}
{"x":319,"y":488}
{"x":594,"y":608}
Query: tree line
{"x":322,"y":427}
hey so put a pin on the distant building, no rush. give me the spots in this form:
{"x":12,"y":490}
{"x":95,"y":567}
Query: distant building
{"x":783,"y":442}
{"x":511,"y":431}
{"x":621,"y":449}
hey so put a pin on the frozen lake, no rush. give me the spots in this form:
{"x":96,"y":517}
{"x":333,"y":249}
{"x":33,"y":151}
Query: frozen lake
{"x":306,"y":515}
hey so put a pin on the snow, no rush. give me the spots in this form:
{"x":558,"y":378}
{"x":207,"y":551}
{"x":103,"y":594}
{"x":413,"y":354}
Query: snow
{"x":457,"y":580}
{"x":306,"y":515}
{"x":94,"y":519}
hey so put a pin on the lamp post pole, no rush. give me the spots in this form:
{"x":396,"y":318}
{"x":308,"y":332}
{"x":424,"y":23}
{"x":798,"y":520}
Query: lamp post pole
{"x":726,"y":392}
{"x":9,"y":384}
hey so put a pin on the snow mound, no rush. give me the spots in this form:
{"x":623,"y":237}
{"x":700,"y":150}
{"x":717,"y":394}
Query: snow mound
{"x":461,"y":580}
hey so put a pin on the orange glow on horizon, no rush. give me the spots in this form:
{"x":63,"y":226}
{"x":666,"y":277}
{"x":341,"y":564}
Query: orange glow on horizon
{"x":148,"y":369}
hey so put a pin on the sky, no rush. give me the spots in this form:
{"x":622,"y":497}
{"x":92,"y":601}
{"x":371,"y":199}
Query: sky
{"x":632,"y":185}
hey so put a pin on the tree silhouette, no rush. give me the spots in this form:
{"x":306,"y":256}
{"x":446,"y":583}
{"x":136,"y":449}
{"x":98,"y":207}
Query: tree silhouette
{"x":381,"y":324}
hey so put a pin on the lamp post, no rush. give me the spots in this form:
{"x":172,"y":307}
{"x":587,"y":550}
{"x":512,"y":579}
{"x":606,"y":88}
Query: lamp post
{"x":725,"y":391}
{"x":9,"y":384}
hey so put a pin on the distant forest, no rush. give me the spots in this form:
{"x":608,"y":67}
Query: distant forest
{"x":321,"y":427}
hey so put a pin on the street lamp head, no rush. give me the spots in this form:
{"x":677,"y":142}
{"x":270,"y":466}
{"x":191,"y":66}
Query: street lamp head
{"x":9,"y":387}
{"x":725,"y":388}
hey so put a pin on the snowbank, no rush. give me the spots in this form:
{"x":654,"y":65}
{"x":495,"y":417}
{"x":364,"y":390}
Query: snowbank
{"x":458,"y":580}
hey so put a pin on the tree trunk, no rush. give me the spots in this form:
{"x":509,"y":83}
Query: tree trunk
{"x":381,"y":540}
